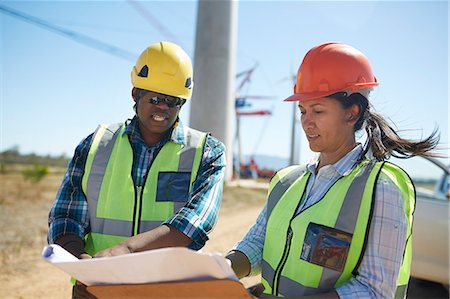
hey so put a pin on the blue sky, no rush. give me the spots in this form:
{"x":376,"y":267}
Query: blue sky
{"x":55,"y":90}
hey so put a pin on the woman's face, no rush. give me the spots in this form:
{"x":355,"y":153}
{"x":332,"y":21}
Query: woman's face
{"x":327,"y":125}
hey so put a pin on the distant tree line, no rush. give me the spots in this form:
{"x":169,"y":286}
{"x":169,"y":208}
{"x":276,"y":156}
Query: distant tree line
{"x":13,"y":156}
{"x":34,"y":167}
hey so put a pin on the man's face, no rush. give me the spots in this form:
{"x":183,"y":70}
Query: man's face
{"x":156,"y":112}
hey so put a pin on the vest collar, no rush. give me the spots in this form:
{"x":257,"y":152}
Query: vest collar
{"x":344,"y":166}
{"x":177,"y":136}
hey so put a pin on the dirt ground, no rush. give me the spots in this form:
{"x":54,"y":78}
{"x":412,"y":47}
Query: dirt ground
{"x":24,"y":208}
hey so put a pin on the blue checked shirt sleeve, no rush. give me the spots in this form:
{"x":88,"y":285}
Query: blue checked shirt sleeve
{"x":68,"y":214}
{"x":380,"y":266}
{"x":253,"y":243}
{"x":198,"y":217}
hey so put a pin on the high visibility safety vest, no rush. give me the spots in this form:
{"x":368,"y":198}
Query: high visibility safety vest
{"x":337,"y":225}
{"x":118,"y":209}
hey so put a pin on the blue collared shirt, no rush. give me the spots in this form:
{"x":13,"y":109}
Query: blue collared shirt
{"x":379,"y":268}
{"x":69,"y":213}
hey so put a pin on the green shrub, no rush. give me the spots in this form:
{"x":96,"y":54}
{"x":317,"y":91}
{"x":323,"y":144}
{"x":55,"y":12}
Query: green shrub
{"x":35,"y":173}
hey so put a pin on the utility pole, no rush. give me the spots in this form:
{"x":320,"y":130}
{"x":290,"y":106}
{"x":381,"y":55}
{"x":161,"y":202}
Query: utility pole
{"x":294,"y":158}
{"x":212,"y":106}
{"x":295,"y":136}
{"x":239,"y":143}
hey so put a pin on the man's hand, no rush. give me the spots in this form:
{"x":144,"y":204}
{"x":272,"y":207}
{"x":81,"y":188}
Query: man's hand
{"x":160,"y":237}
{"x":119,"y":249}
{"x":256,"y":290}
{"x":80,"y":292}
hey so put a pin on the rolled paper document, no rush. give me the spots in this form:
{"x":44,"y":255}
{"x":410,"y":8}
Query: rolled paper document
{"x":54,"y":253}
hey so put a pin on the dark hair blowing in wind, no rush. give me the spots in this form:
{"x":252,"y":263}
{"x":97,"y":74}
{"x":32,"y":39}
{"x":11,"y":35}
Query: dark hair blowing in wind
{"x":382,"y":139}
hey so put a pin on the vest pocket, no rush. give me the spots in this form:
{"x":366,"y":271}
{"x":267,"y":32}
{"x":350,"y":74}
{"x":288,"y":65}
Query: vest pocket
{"x":326,"y":246}
{"x":173,"y":186}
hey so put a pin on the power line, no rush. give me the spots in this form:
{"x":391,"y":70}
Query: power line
{"x":150,"y":18}
{"x":83,"y":39}
{"x":102,"y":27}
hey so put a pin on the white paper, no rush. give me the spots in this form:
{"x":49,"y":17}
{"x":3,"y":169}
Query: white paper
{"x":159,"y":265}
{"x":56,"y":254}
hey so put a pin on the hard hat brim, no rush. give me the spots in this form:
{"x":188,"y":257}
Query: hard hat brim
{"x":305,"y":96}
{"x":297,"y":97}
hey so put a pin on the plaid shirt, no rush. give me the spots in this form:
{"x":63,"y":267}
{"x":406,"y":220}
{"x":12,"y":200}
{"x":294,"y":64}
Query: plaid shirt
{"x":69,"y":213}
{"x":379,"y":268}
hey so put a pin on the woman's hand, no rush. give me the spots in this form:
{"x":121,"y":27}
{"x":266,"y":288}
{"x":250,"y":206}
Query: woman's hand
{"x":239,"y":263}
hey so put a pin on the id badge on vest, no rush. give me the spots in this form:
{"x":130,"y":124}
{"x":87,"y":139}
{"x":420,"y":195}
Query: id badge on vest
{"x":326,"y":246}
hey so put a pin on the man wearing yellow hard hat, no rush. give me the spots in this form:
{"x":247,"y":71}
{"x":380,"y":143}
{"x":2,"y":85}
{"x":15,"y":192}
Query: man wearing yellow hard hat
{"x":147,"y":183}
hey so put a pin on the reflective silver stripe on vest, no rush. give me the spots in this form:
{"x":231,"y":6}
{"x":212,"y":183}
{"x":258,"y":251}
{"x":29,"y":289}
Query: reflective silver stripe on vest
{"x":281,"y":187}
{"x":400,"y":293}
{"x":94,"y":184}
{"x":98,"y":169}
{"x":187,"y":157}
{"x":286,"y":285}
{"x":147,"y":225}
{"x":267,"y":272}
{"x":111,"y":226}
{"x":187,"y":153}
{"x":346,"y":221}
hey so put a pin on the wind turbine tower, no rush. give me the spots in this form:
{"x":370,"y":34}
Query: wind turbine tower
{"x":212,"y":106}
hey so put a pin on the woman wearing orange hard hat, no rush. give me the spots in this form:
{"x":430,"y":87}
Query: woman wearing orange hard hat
{"x":339,"y":227}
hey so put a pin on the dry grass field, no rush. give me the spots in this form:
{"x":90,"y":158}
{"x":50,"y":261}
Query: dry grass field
{"x":24,"y":208}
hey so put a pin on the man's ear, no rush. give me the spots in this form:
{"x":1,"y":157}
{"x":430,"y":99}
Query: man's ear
{"x":134,"y":94}
{"x":135,"y":98}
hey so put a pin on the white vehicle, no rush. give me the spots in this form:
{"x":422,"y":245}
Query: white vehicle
{"x":431,"y":218}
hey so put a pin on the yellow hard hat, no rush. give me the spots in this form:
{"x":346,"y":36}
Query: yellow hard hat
{"x":165,"y":68}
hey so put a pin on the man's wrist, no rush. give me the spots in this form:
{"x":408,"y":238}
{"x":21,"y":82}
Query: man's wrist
{"x":72,"y":243}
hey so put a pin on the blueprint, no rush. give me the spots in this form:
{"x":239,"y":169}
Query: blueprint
{"x":159,"y":265}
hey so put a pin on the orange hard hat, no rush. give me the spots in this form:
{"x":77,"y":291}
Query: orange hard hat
{"x":329,"y":68}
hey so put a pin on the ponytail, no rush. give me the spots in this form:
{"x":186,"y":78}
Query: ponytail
{"x":382,"y":139}
{"x":385,"y":142}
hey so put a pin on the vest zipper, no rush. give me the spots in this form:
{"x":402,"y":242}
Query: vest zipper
{"x":283,"y":260}
{"x":138,"y":195}
{"x":287,"y":246}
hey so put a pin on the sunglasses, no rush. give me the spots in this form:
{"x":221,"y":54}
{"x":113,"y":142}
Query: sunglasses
{"x":156,"y":98}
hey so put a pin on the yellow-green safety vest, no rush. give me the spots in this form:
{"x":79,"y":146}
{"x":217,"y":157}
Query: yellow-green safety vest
{"x":347,"y":207}
{"x":118,"y":209}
